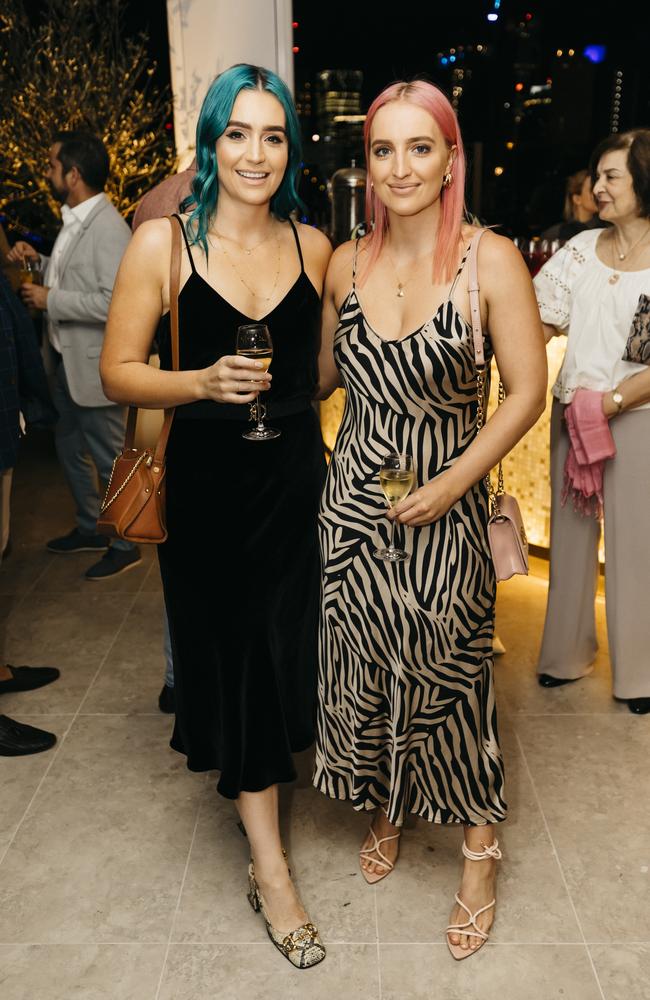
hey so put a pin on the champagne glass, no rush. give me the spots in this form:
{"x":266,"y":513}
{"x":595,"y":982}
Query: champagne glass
{"x":254,"y":341}
{"x":396,"y":477}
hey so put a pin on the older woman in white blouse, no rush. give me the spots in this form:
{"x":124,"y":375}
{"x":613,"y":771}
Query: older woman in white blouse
{"x":596,"y":289}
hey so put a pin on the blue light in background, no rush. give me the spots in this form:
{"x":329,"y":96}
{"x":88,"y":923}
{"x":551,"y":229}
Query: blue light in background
{"x":595,"y":53}
{"x":444,"y":60}
{"x":493,"y":17}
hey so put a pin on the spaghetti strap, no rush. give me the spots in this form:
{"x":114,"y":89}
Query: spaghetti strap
{"x":354,"y":261}
{"x":189,"y":252}
{"x":295,"y":233}
{"x":458,"y":274}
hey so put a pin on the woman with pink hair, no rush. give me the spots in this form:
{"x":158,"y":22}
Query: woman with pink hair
{"x":407,"y":720}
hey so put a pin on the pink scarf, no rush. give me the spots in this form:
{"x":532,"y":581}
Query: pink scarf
{"x":591,"y":445}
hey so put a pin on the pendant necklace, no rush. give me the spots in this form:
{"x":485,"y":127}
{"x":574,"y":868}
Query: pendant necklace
{"x":616,"y":252}
{"x":402,"y":284}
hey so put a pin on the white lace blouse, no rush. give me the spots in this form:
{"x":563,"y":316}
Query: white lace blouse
{"x":574,"y":293}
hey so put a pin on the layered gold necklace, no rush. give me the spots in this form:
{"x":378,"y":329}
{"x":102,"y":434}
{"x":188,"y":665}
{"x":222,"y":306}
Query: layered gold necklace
{"x":248,"y":251}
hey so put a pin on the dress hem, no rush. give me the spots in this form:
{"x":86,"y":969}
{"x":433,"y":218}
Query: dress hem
{"x":368,"y":806}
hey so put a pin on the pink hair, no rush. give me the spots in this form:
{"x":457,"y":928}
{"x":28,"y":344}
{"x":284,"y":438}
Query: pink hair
{"x":425,"y":95}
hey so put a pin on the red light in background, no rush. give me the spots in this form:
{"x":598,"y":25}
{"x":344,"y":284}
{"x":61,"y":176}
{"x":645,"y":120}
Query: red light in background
{"x":529,"y":17}
{"x":519,"y":86}
{"x":296,"y":48}
{"x":294,"y":24}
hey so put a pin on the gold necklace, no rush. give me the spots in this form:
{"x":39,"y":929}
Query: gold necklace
{"x":245,"y":250}
{"x":401,"y":284}
{"x":264,"y":298}
{"x":621,"y":256}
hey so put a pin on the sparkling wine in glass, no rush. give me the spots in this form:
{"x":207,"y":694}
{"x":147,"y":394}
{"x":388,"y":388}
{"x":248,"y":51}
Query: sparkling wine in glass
{"x":396,"y":477}
{"x":254,"y":341}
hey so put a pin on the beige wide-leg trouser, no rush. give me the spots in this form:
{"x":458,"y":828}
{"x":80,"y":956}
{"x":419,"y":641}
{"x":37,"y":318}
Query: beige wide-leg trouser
{"x":569,"y":643}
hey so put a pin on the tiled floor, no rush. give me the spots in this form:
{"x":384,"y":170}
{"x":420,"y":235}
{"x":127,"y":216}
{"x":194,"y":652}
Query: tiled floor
{"x":122,"y":875}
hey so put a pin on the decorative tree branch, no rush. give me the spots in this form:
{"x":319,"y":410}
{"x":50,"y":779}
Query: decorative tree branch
{"x":74,"y":69}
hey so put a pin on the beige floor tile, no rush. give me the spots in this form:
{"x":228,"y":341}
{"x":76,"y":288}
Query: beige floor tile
{"x":506,"y":972}
{"x":623,"y":970}
{"x":87,"y":972}
{"x":132,"y":674}
{"x":20,"y":776}
{"x":22,"y":569}
{"x":414,"y":903}
{"x":260,"y":972}
{"x":62,"y":631}
{"x":592,"y":779}
{"x":153,"y":583}
{"x":101,"y":856}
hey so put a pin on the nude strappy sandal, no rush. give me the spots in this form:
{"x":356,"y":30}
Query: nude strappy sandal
{"x":372,"y":877}
{"x":455,"y":949}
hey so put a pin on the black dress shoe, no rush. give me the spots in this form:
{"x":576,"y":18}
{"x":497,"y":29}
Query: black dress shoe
{"x":18,"y":740}
{"x":166,"y":700}
{"x":546,"y":681}
{"x":640,"y":706}
{"x":28,"y":678}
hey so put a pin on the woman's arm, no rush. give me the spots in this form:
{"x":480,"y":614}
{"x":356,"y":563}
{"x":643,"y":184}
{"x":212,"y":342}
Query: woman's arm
{"x":337,"y":280}
{"x":516,"y":333}
{"x":137,"y":304}
{"x":551,"y":331}
{"x":634,"y":390}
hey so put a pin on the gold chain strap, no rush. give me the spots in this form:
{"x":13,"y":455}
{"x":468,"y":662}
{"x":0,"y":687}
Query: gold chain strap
{"x":128,"y":479}
{"x":480,"y":422}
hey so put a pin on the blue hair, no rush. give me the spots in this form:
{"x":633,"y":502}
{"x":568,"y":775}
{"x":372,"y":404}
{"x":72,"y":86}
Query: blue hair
{"x":213,"y":121}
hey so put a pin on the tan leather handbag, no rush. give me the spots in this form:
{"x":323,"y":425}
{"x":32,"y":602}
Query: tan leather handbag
{"x":134,"y":505}
{"x":506,"y":533}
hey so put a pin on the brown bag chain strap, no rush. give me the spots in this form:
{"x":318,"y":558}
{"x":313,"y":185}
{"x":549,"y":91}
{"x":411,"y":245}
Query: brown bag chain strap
{"x":174,"y":285}
{"x":481,"y":368}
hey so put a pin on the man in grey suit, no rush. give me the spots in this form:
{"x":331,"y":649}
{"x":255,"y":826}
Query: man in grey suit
{"x":75,"y":296}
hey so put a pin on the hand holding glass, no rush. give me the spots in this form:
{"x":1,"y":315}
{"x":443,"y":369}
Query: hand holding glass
{"x":396,"y":477}
{"x":254,"y":341}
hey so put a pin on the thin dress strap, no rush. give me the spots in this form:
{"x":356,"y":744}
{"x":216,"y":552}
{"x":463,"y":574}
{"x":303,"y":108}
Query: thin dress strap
{"x":295,"y":233}
{"x":189,"y":252}
{"x":458,"y":274}
{"x":354,"y":261}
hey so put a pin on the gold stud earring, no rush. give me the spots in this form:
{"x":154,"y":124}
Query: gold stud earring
{"x":447,"y":179}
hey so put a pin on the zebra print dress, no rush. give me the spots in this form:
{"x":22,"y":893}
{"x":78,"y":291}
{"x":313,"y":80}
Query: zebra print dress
{"x":406,"y":716}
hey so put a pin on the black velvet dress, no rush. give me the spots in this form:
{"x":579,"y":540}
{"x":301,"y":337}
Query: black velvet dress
{"x":240,"y":568}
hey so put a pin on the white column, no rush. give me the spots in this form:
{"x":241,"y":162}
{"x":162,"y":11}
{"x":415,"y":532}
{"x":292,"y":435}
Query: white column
{"x":208,"y":36}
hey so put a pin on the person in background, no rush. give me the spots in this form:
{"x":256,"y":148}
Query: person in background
{"x":23,"y":389}
{"x":579,"y":209}
{"x":596,"y":290}
{"x":76,"y":295}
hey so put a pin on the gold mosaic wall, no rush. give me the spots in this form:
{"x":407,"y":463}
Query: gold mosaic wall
{"x":526,"y":468}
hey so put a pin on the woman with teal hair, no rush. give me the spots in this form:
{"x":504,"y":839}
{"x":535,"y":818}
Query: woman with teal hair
{"x":240,"y":566}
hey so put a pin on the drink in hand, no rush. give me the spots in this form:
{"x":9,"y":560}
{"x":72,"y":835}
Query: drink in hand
{"x":262,"y":354}
{"x":396,"y":484}
{"x":396,"y":478}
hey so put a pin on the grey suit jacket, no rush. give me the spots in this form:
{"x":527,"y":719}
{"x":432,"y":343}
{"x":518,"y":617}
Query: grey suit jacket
{"x":79,"y":304}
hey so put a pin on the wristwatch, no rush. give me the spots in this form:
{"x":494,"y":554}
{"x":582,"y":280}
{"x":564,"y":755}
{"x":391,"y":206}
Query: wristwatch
{"x":618,"y":399}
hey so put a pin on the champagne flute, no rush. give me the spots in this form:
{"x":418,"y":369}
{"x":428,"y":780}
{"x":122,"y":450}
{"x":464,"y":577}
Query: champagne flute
{"x":254,"y":341}
{"x":396,"y":477}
